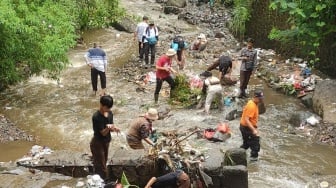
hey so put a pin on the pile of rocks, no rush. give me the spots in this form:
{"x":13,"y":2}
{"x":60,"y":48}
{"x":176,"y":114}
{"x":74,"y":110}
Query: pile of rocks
{"x":9,"y":132}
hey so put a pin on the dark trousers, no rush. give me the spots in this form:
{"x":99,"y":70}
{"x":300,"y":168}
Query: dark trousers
{"x":179,"y":55}
{"x":244,"y":80}
{"x":250,"y":141}
{"x":141,"y":51}
{"x":99,"y":150}
{"x":159,"y":83}
{"x":94,"y":79}
{"x":149,"y":48}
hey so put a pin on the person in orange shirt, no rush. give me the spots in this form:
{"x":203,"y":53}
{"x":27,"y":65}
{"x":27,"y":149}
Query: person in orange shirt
{"x":249,"y":127}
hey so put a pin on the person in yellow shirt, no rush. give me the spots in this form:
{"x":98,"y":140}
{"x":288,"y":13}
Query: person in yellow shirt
{"x":249,"y":127}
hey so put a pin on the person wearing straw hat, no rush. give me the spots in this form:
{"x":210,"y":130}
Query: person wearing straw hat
{"x":140,"y":129}
{"x":163,"y":72}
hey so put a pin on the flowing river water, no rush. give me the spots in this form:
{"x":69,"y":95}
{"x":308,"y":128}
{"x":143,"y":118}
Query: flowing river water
{"x":59,"y":115}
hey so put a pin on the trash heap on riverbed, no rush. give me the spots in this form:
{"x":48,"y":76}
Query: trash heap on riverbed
{"x":34,"y":156}
{"x":292,"y":76}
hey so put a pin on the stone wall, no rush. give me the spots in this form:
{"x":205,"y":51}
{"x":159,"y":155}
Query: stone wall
{"x":139,"y":169}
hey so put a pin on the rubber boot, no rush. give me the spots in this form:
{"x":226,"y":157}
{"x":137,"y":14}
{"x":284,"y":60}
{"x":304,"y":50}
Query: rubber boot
{"x":156,"y":98}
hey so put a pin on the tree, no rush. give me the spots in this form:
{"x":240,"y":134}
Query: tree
{"x":35,"y":35}
{"x":310,"y":22}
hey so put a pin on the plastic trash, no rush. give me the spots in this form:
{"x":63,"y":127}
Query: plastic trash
{"x":312,"y":120}
{"x":227,"y":101}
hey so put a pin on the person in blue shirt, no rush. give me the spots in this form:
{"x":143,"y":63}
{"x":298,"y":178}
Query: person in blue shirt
{"x":96,"y":59}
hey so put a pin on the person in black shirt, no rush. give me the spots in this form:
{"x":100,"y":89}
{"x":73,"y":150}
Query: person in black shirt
{"x":102,"y":123}
{"x":224,"y":64}
{"x":177,"y":179}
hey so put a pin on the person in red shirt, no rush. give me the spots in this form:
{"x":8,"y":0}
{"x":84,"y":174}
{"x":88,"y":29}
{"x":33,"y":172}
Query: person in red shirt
{"x":249,"y":127}
{"x":163,"y":72}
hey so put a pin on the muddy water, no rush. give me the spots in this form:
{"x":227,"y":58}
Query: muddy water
{"x":59,"y":114}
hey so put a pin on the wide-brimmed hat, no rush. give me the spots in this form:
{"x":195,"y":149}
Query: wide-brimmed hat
{"x":171,"y":52}
{"x":152,"y":114}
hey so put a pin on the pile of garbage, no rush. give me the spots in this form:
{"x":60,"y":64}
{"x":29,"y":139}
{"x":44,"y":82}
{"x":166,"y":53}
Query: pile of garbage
{"x":292,"y":77}
{"x":175,"y":152}
{"x":34,"y":156}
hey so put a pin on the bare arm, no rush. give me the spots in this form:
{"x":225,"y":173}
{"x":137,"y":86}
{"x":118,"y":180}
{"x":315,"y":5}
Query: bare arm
{"x":151,"y":182}
{"x":109,"y":128}
{"x":149,"y":141}
{"x":213,"y":66}
{"x":250,"y":126}
{"x":105,"y":131}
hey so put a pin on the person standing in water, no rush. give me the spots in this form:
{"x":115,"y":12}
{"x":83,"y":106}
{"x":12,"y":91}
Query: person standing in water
{"x":96,"y":59}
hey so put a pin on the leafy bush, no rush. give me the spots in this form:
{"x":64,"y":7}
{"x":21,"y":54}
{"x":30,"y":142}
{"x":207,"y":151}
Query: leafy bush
{"x":241,"y":14}
{"x":310,"y":21}
{"x":36,"y":35}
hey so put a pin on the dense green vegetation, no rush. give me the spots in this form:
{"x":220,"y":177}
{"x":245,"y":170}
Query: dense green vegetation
{"x":241,"y":14}
{"x":310,"y":22}
{"x":35,"y":35}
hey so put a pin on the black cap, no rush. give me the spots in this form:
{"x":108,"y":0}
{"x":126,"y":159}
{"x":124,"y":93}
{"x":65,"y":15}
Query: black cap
{"x":144,"y":18}
{"x":259,"y":94}
{"x":151,"y":22}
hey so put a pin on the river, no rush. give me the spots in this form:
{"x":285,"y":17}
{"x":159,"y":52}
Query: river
{"x":59,"y":115}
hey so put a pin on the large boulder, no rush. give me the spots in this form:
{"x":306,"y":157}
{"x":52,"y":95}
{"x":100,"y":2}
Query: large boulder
{"x":324,"y":100}
{"x":125,"y":24}
{"x":177,"y":3}
{"x":172,"y":10}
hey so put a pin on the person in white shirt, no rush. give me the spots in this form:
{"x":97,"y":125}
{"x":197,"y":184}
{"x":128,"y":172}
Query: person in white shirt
{"x":149,"y":41}
{"x":212,"y":88}
{"x":140,"y":29}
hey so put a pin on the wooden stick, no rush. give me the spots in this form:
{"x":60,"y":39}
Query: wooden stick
{"x":186,"y":137}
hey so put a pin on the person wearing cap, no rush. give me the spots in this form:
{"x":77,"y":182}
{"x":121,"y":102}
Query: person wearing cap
{"x":97,"y":61}
{"x":140,"y":129}
{"x":212,"y":88}
{"x":102,"y":123}
{"x":224,"y":64}
{"x":200,"y":43}
{"x":150,"y":38}
{"x":177,"y":179}
{"x":163,"y":72}
{"x":249,"y":63}
{"x":249,"y":126}
{"x":140,"y":29}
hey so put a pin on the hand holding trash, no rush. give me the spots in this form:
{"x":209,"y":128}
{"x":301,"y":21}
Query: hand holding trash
{"x":113,"y":128}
